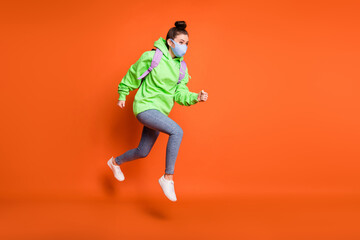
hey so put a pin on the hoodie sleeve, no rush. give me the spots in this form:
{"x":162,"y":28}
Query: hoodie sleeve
{"x":130,"y":81}
{"x":182,"y":94}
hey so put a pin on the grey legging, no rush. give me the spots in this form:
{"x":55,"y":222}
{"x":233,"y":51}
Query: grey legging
{"x":155,"y":122}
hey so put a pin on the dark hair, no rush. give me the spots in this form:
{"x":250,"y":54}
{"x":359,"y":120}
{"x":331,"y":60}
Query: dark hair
{"x":174,"y":31}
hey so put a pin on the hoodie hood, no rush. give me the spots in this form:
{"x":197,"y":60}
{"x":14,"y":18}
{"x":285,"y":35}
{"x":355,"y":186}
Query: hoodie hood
{"x":161,"y":44}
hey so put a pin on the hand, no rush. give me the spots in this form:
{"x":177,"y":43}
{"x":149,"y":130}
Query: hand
{"x":121,"y":103}
{"x":203,"y":96}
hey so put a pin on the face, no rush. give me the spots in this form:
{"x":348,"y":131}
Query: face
{"x":181,"y":39}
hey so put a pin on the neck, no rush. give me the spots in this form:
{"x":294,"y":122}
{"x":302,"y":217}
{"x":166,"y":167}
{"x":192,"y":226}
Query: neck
{"x":171,"y":53}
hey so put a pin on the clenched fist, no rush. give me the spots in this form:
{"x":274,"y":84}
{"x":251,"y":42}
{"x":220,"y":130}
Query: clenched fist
{"x":121,"y":103}
{"x":203,"y":96}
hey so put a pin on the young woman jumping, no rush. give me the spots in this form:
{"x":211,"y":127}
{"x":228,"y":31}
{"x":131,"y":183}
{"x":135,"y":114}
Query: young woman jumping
{"x":164,"y":84}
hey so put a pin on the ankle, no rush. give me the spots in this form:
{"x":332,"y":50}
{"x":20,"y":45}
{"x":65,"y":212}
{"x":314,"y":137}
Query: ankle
{"x":168,"y":176}
{"x":114,"y":162}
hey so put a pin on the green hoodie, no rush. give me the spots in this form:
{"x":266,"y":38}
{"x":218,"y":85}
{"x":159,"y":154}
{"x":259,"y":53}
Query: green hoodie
{"x":159,"y":89}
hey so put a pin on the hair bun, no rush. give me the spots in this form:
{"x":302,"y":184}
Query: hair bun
{"x":180,"y":24}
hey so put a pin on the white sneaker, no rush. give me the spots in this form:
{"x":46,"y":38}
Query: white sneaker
{"x":168,"y":188}
{"x":116,"y":170}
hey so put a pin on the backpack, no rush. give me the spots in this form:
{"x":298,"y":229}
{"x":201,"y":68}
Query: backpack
{"x":155,"y":61}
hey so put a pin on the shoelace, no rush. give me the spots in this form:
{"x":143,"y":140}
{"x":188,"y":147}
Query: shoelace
{"x":115,"y":166}
{"x":171,"y":181}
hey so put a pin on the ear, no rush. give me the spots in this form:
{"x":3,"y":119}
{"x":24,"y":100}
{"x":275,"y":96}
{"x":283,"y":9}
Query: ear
{"x":170,"y":43}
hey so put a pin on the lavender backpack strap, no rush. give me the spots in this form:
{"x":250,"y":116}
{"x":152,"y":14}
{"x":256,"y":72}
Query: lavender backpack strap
{"x":182,"y":71}
{"x":155,"y":61}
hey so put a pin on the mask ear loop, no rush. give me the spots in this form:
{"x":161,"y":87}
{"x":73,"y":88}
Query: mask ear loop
{"x":177,"y":43}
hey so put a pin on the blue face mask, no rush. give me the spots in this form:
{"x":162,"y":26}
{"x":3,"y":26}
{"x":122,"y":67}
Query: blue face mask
{"x":179,"y":50}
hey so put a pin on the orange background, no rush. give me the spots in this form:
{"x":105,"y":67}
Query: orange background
{"x":282,"y":118}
